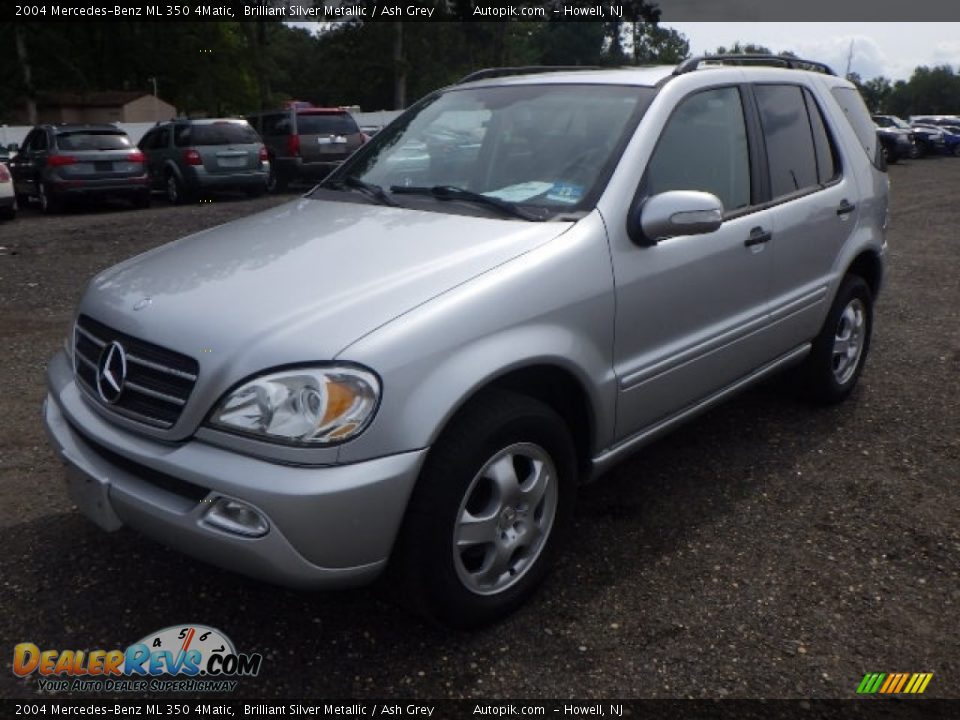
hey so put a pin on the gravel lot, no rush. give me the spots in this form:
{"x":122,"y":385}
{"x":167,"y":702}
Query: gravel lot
{"x":768,"y":549}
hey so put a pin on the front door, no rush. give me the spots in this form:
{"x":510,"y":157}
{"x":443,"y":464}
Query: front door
{"x":692,"y":310}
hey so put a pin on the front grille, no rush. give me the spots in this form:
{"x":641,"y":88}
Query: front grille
{"x":158,"y":381}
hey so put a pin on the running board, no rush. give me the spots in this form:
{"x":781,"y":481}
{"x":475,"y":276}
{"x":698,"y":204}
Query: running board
{"x":605,"y":460}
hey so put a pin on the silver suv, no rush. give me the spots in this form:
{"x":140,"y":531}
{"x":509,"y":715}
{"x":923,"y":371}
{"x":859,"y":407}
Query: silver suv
{"x":521,"y":280}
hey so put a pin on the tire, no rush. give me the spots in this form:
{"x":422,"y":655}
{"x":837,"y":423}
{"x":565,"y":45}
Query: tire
{"x":956,"y":150}
{"x":277,"y":182}
{"x":830,"y":375}
{"x":8,"y":213}
{"x":455,"y":582}
{"x":49,"y":203}
{"x":915,"y":151}
{"x":175,"y":191}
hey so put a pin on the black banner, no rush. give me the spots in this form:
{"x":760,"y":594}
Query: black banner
{"x":329,"y":11}
{"x":927,"y":709}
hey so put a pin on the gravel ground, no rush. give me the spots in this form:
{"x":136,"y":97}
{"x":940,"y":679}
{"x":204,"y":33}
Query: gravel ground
{"x":768,"y":549}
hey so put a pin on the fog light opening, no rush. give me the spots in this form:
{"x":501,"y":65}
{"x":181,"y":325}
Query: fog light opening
{"x":236,"y":517}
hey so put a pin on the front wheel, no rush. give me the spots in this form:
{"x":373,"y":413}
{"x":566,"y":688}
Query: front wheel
{"x":840,"y":350}
{"x":489,"y":512}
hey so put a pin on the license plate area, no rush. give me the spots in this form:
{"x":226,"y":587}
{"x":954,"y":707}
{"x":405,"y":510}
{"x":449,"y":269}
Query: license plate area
{"x":91,"y":496}
{"x":232,"y":162}
{"x":103,"y":166}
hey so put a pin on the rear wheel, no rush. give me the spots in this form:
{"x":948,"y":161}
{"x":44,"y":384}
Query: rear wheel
{"x":489,"y":512}
{"x":839,"y":352}
{"x":175,"y":191}
{"x":277,"y":181}
{"x":49,"y":202}
{"x":9,"y":213}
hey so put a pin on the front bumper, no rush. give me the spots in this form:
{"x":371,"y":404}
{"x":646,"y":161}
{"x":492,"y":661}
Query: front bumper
{"x":329,"y":526}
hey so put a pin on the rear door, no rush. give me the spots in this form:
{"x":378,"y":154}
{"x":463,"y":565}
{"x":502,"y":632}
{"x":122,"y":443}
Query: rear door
{"x":26,"y":164}
{"x":327,"y":136}
{"x":815,"y":208}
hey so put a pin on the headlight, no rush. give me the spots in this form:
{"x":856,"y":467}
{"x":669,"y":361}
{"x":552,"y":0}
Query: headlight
{"x":308,"y":405}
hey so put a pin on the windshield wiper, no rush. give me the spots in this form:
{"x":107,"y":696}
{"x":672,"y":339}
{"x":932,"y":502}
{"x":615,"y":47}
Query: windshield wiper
{"x":451,"y":192}
{"x":374,"y":192}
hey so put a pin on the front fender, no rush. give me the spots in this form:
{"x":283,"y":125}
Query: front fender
{"x":552,"y":306}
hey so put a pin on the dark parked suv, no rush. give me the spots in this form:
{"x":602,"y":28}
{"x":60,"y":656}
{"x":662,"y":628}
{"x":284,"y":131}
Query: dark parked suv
{"x":64,"y":161}
{"x":306,"y":143}
{"x":188,"y":157}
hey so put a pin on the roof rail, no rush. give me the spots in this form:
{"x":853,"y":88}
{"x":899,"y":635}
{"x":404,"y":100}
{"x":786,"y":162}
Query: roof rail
{"x":524,"y":70}
{"x":788,"y":61}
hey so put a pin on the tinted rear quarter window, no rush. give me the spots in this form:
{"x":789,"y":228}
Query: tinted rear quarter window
{"x":326,"y":124}
{"x":786,"y":129}
{"x":87,"y":140}
{"x":859,"y":118}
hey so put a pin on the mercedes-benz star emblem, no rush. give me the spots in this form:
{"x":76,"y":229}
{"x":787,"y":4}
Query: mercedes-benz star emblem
{"x":111,"y":372}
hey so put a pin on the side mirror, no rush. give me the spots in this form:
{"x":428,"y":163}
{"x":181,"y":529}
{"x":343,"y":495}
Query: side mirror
{"x":673,"y":213}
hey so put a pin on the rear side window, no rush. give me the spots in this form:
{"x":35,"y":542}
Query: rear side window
{"x":87,"y":140}
{"x":276,"y":124}
{"x":859,"y":118}
{"x":827,"y":166}
{"x":225,"y":133}
{"x":789,"y":139}
{"x":704,"y":147}
{"x":326,"y":124}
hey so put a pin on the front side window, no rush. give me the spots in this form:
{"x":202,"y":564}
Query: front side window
{"x":789,"y":139}
{"x":548,"y":147}
{"x":704,"y":147}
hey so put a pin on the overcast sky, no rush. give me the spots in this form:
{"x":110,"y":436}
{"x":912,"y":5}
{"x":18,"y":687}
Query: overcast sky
{"x":890,"y":49}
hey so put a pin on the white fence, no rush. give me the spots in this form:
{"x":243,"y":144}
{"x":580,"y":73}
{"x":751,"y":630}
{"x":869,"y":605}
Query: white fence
{"x":16,"y":133}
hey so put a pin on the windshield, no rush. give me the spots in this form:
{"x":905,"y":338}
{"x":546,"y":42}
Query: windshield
{"x":546,"y":146}
{"x":93,"y":140}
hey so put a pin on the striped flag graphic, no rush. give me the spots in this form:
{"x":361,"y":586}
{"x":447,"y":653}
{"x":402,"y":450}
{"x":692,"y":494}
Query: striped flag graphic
{"x":894,"y":683}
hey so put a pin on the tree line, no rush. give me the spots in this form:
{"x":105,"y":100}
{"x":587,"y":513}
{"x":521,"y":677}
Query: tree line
{"x":231,"y":68}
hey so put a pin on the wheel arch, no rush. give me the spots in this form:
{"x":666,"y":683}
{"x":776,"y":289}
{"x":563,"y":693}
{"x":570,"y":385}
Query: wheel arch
{"x":868,"y":266}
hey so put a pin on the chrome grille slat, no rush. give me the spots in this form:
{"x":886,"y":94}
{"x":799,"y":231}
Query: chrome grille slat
{"x":153,"y":393}
{"x":91,"y":337}
{"x":160,"y":368}
{"x":158,"y":381}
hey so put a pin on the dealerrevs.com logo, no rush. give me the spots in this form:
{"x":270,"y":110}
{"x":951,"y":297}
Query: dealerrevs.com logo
{"x":179,"y":658}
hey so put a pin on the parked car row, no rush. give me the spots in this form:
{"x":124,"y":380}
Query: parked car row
{"x":182,"y":158}
{"x":923,"y":135}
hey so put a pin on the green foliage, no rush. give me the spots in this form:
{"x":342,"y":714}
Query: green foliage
{"x":225,"y":68}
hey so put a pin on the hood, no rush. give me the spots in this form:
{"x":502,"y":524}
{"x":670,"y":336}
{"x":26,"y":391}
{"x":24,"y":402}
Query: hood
{"x":299,"y":282}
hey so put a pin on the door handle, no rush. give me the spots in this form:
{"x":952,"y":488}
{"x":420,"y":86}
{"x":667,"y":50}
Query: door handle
{"x":758,"y":236}
{"x":845,"y":207}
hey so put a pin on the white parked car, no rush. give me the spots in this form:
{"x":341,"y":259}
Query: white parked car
{"x":8,"y":201}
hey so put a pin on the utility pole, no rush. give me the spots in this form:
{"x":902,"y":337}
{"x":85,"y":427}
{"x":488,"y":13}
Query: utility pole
{"x":849,"y":58}
{"x":156,"y":109}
